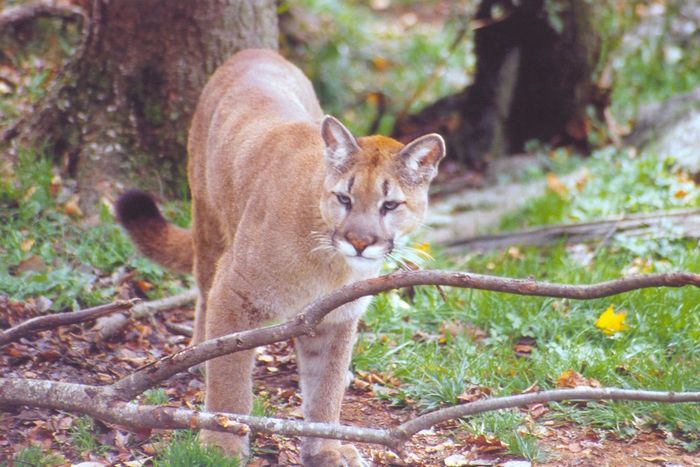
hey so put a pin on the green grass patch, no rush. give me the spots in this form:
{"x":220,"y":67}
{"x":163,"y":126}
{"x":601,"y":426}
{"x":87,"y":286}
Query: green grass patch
{"x":35,"y":456}
{"x":83,"y":436}
{"x":184,"y":450}
{"x":47,"y":252}
{"x":438,"y":348}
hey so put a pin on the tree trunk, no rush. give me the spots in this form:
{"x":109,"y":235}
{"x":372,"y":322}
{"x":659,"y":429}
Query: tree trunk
{"x":120,"y":114}
{"x":533,"y":80}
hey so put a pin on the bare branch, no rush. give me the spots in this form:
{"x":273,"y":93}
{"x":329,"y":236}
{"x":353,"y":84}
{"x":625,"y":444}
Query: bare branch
{"x":411,"y":427}
{"x":22,"y":13}
{"x":310,"y":316}
{"x":100,"y":403}
{"x":42,"y":323}
{"x":110,"y":325}
{"x":632,"y":224}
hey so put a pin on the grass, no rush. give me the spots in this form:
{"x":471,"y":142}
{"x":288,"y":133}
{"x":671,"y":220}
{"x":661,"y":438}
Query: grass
{"x":35,"y":456}
{"x":183,"y":450}
{"x":156,"y":396}
{"x":358,"y":53}
{"x":438,"y":348}
{"x":83,"y":436}
{"x":434,"y":348}
{"x":50,"y":250}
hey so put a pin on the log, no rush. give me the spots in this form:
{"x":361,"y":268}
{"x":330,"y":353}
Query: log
{"x":687,"y":221}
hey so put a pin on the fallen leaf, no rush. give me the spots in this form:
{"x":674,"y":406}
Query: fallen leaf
{"x":144,"y":286}
{"x":379,"y":63}
{"x":680,"y":194}
{"x":55,"y":185}
{"x":26,"y":245}
{"x":556,"y":185}
{"x":71,"y":208}
{"x":483,"y":443}
{"x":456,"y":460}
{"x":573,"y":379}
{"x":610,"y":322}
{"x":32,"y":264}
{"x":582,"y":180}
{"x":515,"y":253}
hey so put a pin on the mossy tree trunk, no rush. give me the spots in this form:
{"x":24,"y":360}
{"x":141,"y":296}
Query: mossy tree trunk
{"x":534,"y":79}
{"x":121,"y":111}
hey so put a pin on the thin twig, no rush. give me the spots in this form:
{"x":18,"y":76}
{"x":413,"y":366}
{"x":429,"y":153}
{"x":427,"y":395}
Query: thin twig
{"x":411,"y":427}
{"x":43,"y":323}
{"x":110,"y":325}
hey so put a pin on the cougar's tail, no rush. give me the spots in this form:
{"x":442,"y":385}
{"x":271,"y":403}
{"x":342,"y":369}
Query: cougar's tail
{"x":156,"y":238}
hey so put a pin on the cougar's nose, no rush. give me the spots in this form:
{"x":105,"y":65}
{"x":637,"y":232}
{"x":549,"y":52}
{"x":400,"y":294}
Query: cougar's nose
{"x":360,"y":242}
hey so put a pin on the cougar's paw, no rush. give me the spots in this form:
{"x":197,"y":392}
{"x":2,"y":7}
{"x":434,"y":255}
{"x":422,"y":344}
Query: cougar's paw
{"x":345,"y":455}
{"x":230,"y":444}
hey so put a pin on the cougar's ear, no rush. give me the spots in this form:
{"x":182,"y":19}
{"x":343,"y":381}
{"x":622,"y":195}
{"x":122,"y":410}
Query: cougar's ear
{"x":421,"y":157}
{"x":340,"y":144}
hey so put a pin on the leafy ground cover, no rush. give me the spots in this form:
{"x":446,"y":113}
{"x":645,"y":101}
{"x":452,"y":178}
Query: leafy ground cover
{"x":418,"y":350}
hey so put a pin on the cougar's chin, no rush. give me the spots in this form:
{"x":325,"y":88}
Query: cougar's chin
{"x":360,"y":263}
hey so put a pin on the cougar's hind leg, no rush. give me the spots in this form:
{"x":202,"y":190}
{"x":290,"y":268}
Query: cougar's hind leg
{"x":208,"y":248}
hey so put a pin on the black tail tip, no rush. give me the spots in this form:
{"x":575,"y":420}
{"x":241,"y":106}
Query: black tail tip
{"x":135,"y":206}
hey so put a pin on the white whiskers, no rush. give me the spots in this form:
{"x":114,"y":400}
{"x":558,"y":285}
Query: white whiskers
{"x":323,"y":241}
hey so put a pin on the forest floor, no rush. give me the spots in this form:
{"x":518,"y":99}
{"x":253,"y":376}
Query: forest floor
{"x":71,"y":354}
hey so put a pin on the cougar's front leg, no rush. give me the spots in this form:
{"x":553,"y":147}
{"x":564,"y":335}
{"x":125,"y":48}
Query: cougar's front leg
{"x":323,"y":365}
{"x":228,"y":378}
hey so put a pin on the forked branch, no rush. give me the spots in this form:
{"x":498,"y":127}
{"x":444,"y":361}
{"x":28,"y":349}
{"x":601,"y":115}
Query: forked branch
{"x":111,"y":402}
{"x":310,"y":316}
{"x":46,"y":322}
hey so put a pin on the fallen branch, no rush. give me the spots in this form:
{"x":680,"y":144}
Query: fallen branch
{"x":46,"y":322}
{"x":634,"y":224}
{"x":305,"y":322}
{"x":98,"y":402}
{"x":27,"y":12}
{"x":111,"y":403}
{"x":110,"y":325}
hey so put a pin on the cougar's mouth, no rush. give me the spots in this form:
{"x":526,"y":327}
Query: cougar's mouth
{"x":377,"y":251}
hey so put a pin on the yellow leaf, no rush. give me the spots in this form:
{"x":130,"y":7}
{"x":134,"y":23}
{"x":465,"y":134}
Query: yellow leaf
{"x":582,"y":180}
{"x":27,"y":245}
{"x":514,"y":252}
{"x":680,"y":194}
{"x":556,"y":185}
{"x":424,"y":247}
{"x":610,"y":322}
{"x":380,"y":63}
{"x":71,"y":208}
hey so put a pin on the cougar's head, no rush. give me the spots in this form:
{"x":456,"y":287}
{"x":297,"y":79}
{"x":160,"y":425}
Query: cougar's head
{"x":375,"y":190}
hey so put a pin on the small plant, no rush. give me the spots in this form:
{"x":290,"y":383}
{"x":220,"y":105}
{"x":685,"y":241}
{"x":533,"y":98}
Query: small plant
{"x":82,"y":435}
{"x":509,"y":428}
{"x":184,"y":450}
{"x":262,"y":407}
{"x":35,"y":456}
{"x":155,"y":397}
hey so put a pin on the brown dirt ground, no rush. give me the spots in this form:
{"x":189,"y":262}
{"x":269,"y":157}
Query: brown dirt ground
{"x":69,"y":354}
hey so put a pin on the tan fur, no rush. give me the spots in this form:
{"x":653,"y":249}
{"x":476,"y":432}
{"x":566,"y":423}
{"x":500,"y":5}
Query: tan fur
{"x":270,"y":231}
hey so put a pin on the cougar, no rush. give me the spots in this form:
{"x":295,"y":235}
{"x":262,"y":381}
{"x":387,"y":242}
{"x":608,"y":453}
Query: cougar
{"x":287,"y":206}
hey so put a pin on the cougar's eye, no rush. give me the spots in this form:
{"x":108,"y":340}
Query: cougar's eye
{"x":389,"y":205}
{"x":344,"y":200}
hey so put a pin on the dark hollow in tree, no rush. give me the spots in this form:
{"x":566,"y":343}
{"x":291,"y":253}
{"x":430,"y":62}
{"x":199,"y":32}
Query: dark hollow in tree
{"x":533,"y":81}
